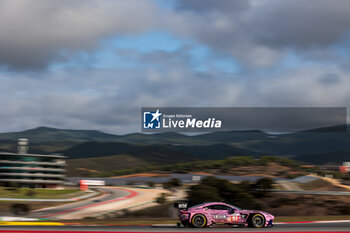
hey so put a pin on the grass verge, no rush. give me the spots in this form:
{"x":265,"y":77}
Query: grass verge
{"x":38,"y":193}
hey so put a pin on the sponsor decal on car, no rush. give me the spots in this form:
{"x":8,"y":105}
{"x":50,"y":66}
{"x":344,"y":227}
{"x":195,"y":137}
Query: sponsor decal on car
{"x":233,"y":218}
{"x":220,"y":216}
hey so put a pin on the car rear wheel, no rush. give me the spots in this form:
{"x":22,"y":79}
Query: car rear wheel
{"x":199,"y":220}
{"x":258,"y":221}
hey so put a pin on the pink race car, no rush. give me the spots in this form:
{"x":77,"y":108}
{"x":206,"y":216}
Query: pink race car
{"x":218,"y":213}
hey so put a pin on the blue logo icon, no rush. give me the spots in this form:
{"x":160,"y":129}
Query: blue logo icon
{"x":151,"y":120}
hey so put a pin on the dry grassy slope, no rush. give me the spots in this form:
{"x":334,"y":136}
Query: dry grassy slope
{"x":322,"y":185}
{"x":273,"y":169}
{"x":91,"y":166}
{"x":105,"y":163}
{"x":306,"y":205}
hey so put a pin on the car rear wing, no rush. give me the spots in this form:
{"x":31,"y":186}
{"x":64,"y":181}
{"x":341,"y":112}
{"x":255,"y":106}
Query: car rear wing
{"x":181,"y":205}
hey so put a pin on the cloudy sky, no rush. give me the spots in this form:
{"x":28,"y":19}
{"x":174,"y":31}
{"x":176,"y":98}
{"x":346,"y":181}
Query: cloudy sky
{"x":92,"y":64}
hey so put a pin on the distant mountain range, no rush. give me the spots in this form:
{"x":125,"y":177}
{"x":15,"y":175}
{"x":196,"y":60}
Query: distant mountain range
{"x":317,"y":146}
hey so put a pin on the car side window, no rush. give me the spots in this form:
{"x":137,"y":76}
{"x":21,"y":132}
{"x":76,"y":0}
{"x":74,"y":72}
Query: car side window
{"x":224,"y":207}
{"x":218,"y":207}
{"x":210,"y":207}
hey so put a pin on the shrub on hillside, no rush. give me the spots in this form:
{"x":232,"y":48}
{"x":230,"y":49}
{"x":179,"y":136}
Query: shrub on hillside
{"x":172,"y":183}
{"x":262,"y":187}
{"x":340,"y":210}
{"x":161,"y":199}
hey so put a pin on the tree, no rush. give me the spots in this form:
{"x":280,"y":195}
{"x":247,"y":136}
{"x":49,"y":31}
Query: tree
{"x":262,"y":187}
{"x":150,"y":184}
{"x":175,"y":182}
{"x":212,"y":189}
{"x":203,"y":193}
{"x":161,"y":199}
{"x":172,"y":183}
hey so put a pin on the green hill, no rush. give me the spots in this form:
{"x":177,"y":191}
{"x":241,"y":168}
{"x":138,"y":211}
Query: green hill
{"x":155,"y":153}
{"x":46,"y":134}
{"x":312,"y":146}
{"x":336,"y":157}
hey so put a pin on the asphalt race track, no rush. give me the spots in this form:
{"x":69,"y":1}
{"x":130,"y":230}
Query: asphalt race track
{"x":295,"y":227}
{"x":53,"y":213}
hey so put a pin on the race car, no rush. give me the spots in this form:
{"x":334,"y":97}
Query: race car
{"x":218,"y":213}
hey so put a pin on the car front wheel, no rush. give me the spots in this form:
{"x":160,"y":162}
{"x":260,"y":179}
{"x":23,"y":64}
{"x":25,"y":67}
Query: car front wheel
{"x":258,"y":221}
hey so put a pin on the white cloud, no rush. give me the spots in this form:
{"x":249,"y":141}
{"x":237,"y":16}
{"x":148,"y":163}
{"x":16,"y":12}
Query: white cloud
{"x":256,"y":33}
{"x":35,"y":33}
{"x":111,"y":100}
{"x":259,"y":32}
